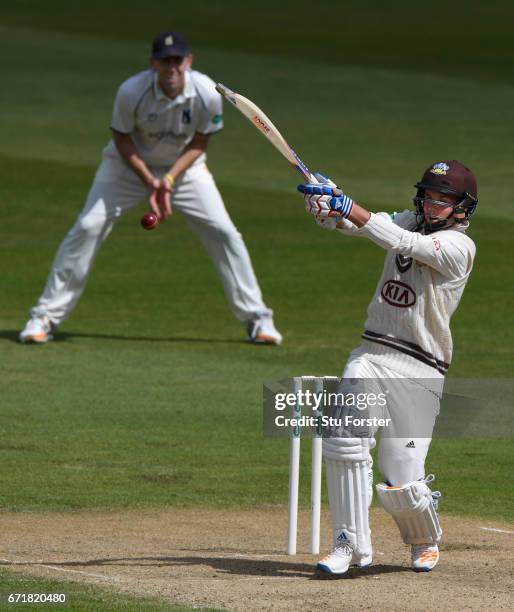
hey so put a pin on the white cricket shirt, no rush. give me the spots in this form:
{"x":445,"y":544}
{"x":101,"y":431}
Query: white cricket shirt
{"x":159,"y":126}
{"x":420,"y":288}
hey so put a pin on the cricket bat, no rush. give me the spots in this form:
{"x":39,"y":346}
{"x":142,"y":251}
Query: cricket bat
{"x":264,"y":124}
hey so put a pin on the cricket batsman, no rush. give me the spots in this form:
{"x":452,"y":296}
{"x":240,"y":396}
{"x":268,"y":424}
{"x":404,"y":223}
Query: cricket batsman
{"x":407,"y":339}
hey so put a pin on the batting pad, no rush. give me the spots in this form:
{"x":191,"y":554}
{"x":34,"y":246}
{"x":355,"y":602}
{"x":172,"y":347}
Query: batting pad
{"x":413,"y":510}
{"x":348,"y":494}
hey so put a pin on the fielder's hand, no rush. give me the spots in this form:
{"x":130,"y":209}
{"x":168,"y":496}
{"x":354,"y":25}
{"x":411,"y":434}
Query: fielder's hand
{"x":325,"y":199}
{"x":160,"y":198}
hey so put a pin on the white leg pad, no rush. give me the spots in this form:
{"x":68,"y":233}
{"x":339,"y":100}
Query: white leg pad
{"x":348,"y":483}
{"x":412,"y":508}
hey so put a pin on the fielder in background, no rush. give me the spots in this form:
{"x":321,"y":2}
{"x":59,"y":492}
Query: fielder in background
{"x":161,"y":124}
{"x":407,"y":336}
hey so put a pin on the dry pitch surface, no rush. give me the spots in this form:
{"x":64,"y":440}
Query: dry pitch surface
{"x":236,"y":560}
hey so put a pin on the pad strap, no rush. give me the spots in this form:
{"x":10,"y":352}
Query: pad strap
{"x":413,"y":507}
{"x":348,"y":449}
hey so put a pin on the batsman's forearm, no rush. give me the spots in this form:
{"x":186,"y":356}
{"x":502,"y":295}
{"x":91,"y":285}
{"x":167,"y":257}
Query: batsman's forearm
{"x":358,"y":216}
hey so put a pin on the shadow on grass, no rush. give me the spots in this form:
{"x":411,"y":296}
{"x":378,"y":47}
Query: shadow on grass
{"x":12,"y":336}
{"x":231,"y":565}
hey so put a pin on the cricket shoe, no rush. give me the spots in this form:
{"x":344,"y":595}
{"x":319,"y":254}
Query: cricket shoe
{"x":424,"y":557}
{"x":263,"y":331}
{"x":342,"y":558}
{"x":38,"y":330}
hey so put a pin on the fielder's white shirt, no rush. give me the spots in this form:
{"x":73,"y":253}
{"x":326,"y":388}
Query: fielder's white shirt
{"x":159,"y":126}
{"x":420,"y":288}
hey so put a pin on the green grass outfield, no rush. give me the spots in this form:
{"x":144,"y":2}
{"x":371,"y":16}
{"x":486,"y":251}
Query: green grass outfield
{"x":79,"y":597}
{"x":151,"y":397}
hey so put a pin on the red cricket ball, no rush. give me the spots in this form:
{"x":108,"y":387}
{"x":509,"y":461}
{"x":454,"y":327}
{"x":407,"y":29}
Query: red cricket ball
{"x":149,"y":221}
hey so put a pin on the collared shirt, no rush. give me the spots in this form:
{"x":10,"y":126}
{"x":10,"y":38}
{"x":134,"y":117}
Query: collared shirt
{"x":422,"y":282}
{"x":159,"y":126}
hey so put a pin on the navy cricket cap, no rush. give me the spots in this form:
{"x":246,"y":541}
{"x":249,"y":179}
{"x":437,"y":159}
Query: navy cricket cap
{"x":168,"y":44}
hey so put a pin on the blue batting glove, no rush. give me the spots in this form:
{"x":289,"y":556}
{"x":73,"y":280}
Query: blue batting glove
{"x":325,"y":199}
{"x":326,"y":186}
{"x":317,"y":189}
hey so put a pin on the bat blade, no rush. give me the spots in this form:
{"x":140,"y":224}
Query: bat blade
{"x":264,"y":124}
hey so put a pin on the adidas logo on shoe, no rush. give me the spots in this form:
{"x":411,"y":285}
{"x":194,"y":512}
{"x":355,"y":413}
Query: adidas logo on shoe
{"x":342,"y":557}
{"x":410,"y":444}
{"x":342,"y":537}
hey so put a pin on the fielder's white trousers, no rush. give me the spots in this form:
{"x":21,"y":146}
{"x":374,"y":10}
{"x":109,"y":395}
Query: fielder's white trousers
{"x":116,"y":189}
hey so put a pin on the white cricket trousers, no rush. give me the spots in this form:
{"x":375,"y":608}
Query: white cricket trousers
{"x":400,"y":459}
{"x":112,"y":193}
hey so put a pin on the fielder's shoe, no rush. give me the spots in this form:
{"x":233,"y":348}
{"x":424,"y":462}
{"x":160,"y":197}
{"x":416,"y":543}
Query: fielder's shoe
{"x":38,"y":330}
{"x":342,"y":558}
{"x":263,"y":331}
{"x":424,"y":557}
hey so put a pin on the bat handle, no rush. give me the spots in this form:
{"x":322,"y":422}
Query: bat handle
{"x":308,"y":176}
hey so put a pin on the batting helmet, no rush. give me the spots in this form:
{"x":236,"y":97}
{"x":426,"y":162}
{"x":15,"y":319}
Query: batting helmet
{"x":453,"y":178}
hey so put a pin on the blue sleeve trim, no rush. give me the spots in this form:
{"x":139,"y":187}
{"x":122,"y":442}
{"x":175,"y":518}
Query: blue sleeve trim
{"x":200,"y":97}
{"x":142,"y":98}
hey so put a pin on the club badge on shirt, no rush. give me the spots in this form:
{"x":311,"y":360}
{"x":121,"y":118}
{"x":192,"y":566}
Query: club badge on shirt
{"x":403,"y":263}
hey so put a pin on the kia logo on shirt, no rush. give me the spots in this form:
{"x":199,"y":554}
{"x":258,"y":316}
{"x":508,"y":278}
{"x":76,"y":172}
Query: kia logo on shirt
{"x":398,"y":294}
